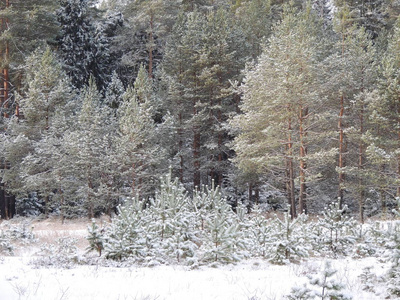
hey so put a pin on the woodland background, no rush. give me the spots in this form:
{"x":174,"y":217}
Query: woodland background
{"x":280,"y":103}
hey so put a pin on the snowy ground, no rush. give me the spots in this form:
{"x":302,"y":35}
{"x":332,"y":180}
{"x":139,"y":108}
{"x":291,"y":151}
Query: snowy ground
{"x":253,"y":279}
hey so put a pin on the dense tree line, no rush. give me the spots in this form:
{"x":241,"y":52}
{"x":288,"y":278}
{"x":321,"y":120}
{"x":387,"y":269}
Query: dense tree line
{"x":277,"y":102}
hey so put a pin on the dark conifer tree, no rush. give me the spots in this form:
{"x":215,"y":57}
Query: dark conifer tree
{"x":83,"y":47}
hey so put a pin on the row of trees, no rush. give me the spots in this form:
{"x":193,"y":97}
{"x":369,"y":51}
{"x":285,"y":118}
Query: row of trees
{"x":302,"y":97}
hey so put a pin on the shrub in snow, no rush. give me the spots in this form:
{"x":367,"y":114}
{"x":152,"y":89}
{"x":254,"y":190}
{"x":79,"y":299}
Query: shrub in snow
{"x":172,"y":222}
{"x":126,"y":237}
{"x":335,"y":232}
{"x":95,"y":238}
{"x":5,"y":245}
{"x":322,"y":286}
{"x":21,"y":233}
{"x":164,"y":232}
{"x":175,"y":228}
{"x":259,"y":233}
{"x":327,"y":286}
{"x":393,"y":244}
{"x":288,"y":240}
{"x":368,"y":279}
{"x":222,"y":238}
{"x":301,"y":293}
{"x":63,"y":254}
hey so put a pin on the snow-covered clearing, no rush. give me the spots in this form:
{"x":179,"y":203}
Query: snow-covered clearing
{"x":252,"y":279}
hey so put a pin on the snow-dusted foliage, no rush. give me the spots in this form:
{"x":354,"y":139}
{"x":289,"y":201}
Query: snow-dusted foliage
{"x":288,"y":239}
{"x":83,"y":47}
{"x":5,"y":245}
{"x":335,"y":232}
{"x":10,"y":234}
{"x":63,"y":254}
{"x":322,"y":286}
{"x":175,"y":228}
{"x":393,"y":244}
{"x":223,"y":237}
{"x":95,"y":238}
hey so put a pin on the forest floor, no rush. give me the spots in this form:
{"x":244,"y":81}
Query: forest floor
{"x":27,"y":274}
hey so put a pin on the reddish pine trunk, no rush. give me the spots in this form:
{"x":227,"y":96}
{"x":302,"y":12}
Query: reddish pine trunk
{"x":341,"y":163}
{"x":398,"y":157}
{"x":361,"y":165}
{"x":180,"y":134}
{"x":196,"y":158}
{"x":151,"y":38}
{"x":303,"y":164}
{"x":290,"y":172}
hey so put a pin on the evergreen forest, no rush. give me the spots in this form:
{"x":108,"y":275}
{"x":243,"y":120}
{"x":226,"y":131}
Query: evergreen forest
{"x":283,"y":105}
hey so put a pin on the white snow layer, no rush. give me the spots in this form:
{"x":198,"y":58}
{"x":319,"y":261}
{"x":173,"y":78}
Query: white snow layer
{"x":252,"y":279}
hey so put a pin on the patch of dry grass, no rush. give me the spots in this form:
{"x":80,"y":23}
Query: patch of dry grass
{"x":50,"y":230}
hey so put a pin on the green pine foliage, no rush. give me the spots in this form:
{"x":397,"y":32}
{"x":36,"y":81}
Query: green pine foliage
{"x":223,"y":236}
{"x":328,"y":287}
{"x":288,"y":242}
{"x":336,"y":232}
{"x":322,"y":286}
{"x":126,"y":236}
{"x":95,"y":238}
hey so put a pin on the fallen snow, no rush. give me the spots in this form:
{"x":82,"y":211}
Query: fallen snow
{"x":253,"y":279}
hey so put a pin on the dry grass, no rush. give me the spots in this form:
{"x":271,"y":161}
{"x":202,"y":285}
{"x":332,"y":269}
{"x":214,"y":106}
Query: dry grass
{"x":50,"y":230}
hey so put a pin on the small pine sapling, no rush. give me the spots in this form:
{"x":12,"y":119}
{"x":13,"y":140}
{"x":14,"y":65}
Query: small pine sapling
{"x":260,"y":233}
{"x":287,"y":241}
{"x":125,"y":236}
{"x":393,"y":244}
{"x":327,"y":286}
{"x":5,"y":245}
{"x":172,"y":223}
{"x":95,"y":238}
{"x":368,"y":279}
{"x":223,"y":239}
{"x":301,"y":293}
{"x":337,"y":231}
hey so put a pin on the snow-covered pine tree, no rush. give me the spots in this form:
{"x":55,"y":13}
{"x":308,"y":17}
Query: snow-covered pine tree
{"x":223,"y":238}
{"x":127,"y":235}
{"x":335,"y":232}
{"x":260,"y":233}
{"x":288,"y":241}
{"x":196,"y":71}
{"x":329,"y":287}
{"x":383,"y":137}
{"x":32,"y":143}
{"x":95,"y":238}
{"x":114,"y":92}
{"x":322,"y":286}
{"x":173,"y":225}
{"x":83,"y":47}
{"x":92,"y":157}
{"x":282,"y":88}
{"x":140,"y":155}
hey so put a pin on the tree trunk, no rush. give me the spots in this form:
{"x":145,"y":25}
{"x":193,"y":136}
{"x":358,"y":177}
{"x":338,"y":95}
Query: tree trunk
{"x":250,"y":192}
{"x":361,"y":166}
{"x":257,"y":195}
{"x":196,"y":158}
{"x":303,"y":164}
{"x":180,"y":147}
{"x":341,"y":163}
{"x":151,"y":39}
{"x":220,"y":143}
{"x":290,"y":172}
{"x":398,"y":157}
